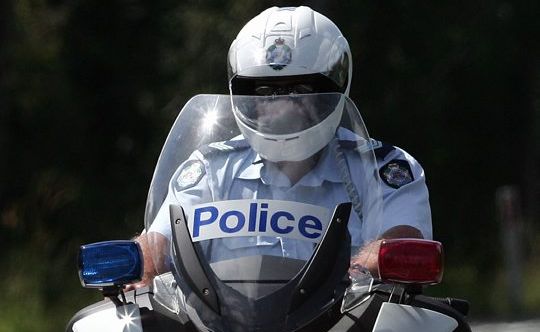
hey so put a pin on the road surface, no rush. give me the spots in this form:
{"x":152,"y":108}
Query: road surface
{"x":525,"y":326}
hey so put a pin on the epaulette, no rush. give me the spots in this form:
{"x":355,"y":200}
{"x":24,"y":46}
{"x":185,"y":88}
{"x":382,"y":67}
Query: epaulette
{"x":223,"y":147}
{"x":383,"y":151}
{"x":362,"y":146}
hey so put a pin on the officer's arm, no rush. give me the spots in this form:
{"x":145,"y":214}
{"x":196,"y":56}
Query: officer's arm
{"x":406,"y":211}
{"x":188,"y":187}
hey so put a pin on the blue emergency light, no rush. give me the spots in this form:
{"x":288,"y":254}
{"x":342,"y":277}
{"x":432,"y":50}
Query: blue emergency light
{"x":110,"y":263}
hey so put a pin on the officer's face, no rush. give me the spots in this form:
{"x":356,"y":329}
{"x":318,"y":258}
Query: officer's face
{"x":285,"y":111}
{"x":285,"y":115}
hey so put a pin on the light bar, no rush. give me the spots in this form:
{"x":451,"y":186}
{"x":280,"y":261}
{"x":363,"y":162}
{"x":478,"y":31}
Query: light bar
{"x":411,"y":261}
{"x":110,"y":263}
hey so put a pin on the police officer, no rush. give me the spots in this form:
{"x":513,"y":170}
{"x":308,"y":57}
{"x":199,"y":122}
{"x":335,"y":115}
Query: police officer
{"x":294,"y":51}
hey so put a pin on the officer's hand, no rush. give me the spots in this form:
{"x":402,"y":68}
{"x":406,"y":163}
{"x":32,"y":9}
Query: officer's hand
{"x":367,"y":258}
{"x":149,"y":269}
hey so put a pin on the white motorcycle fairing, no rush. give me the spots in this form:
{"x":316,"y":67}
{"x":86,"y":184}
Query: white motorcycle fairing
{"x":406,"y":318}
{"x":115,"y":319}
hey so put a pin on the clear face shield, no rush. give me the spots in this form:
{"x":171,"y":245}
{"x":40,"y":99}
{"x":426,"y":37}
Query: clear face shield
{"x":288,"y":127}
{"x":257,"y":205}
{"x":286,"y":114}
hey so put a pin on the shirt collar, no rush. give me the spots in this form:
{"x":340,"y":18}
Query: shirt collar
{"x":251,"y":170}
{"x":325,"y":170}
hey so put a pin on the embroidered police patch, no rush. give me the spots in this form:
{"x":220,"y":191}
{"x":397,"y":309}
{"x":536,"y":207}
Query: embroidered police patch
{"x":278,"y":55}
{"x":190,"y":175}
{"x":396,"y":173}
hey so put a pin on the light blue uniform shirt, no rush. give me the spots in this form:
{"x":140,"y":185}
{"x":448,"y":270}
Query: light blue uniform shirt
{"x":229,"y":173}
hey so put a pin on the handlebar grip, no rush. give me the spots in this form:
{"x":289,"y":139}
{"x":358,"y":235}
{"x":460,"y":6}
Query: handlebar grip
{"x":460,"y":305}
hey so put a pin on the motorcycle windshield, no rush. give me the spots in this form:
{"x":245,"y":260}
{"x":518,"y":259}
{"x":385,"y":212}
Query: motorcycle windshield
{"x":255,"y":244}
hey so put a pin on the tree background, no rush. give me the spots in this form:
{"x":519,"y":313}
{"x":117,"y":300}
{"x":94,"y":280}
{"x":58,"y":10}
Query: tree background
{"x":83,"y":85}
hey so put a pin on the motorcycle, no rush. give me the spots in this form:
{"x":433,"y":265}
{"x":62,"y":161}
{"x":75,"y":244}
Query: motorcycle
{"x":233,"y":251}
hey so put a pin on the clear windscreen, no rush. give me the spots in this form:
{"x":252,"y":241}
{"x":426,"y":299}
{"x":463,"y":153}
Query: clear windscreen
{"x":253,"y":224}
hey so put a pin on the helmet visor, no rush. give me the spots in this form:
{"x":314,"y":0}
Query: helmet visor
{"x":284,"y":114}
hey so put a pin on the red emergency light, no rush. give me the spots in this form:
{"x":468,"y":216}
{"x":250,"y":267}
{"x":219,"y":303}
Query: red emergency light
{"x":411,"y":261}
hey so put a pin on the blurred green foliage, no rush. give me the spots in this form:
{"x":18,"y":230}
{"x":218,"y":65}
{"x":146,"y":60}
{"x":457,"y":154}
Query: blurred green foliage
{"x":83,"y":85}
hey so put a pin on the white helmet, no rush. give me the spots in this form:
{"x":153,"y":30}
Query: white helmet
{"x":293,"y":50}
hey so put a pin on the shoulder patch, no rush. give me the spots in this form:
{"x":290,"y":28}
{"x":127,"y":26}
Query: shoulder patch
{"x":396,"y":173}
{"x":223,"y":147}
{"x":190,"y":175}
